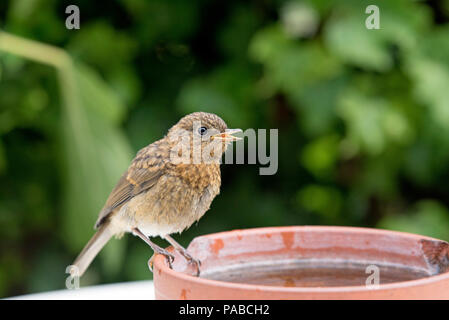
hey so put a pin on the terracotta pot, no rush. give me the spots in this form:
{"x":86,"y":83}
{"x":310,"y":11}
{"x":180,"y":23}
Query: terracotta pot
{"x":421,"y":261}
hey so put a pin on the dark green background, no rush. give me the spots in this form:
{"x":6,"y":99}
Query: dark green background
{"x":363,"y":119}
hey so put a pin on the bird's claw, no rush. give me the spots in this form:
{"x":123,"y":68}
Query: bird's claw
{"x":150,"y":263}
{"x":192,"y":260}
{"x":170,"y":258}
{"x":197,"y":264}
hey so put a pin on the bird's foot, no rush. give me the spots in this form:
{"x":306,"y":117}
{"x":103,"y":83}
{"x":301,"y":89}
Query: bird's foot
{"x":170,"y":257}
{"x":191,"y":260}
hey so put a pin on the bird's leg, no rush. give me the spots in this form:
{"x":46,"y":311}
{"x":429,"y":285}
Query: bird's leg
{"x":170,"y":257}
{"x":184,"y":253}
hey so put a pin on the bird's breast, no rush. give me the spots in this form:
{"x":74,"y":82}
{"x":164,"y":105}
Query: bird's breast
{"x":196,"y":176}
{"x":177,"y":200}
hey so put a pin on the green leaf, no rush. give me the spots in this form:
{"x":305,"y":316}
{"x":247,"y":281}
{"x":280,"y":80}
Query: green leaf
{"x":96,"y":153}
{"x":100,"y":44}
{"x":289,"y":65}
{"x":325,"y":201}
{"x":320,"y":155}
{"x":98,"y":96}
{"x":431,"y":86}
{"x":349,"y":39}
{"x":317,"y":106}
{"x":429,"y":218}
{"x":435,"y":45}
{"x":372,"y":122}
{"x":401,"y":23}
{"x":267,"y":44}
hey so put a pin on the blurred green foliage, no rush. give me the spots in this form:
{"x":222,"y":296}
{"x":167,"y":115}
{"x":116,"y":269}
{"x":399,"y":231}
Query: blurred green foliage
{"x":363,"y":118}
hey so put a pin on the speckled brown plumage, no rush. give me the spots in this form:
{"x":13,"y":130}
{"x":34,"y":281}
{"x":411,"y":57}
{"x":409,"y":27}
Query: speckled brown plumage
{"x":157,"y":196}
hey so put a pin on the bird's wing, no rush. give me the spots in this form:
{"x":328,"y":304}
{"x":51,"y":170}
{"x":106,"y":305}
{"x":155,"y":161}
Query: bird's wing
{"x":143,"y":173}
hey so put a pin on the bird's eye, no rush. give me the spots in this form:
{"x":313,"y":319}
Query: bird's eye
{"x":202,"y":131}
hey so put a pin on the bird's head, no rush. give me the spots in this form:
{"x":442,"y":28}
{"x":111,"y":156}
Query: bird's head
{"x":201,"y":136}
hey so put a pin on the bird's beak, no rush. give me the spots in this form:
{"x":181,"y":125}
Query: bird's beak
{"x":228,"y":135}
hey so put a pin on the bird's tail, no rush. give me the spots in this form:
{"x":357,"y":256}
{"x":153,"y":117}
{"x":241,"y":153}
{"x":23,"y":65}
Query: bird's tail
{"x":95,"y":244}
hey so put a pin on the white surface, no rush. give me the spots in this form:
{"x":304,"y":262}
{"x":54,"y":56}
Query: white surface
{"x":139,"y":290}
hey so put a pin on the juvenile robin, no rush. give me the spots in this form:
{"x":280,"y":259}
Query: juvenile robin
{"x":169,"y":185}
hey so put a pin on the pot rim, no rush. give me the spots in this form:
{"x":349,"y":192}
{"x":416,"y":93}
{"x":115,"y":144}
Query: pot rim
{"x":160,"y":262}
